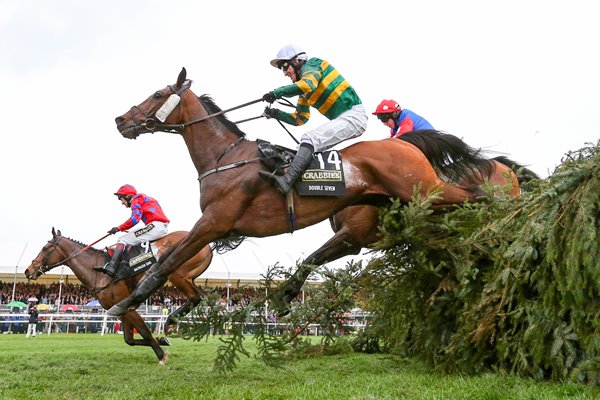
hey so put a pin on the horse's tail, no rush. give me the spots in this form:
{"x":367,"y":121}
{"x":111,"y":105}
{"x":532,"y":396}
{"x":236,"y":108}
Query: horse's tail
{"x":451,"y":157}
{"x":523,"y":173}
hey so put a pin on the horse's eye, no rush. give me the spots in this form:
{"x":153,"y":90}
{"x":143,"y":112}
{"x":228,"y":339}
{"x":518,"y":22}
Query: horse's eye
{"x":157,"y":95}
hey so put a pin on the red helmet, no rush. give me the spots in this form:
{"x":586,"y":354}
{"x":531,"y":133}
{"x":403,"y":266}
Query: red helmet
{"x":126,"y":190}
{"x":387,"y":107}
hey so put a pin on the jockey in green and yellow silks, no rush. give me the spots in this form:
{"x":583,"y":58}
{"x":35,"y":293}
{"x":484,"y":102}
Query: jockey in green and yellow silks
{"x":319,"y":85}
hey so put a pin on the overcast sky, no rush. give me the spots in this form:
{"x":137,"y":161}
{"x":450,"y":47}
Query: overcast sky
{"x":519,"y":77}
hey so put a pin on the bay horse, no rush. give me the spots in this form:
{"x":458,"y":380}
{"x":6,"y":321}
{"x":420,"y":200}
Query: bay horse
{"x":236,"y":202}
{"x":357,"y":227}
{"x":82,"y":259}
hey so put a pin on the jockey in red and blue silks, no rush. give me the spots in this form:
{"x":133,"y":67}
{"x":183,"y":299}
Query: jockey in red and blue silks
{"x":143,"y":208}
{"x":399,"y":120}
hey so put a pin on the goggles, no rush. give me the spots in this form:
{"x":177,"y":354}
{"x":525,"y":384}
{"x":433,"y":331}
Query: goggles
{"x":384,"y":117}
{"x":285,"y":65}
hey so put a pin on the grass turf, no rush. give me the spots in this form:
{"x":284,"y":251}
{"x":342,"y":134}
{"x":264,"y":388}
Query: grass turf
{"x":90,"y":366}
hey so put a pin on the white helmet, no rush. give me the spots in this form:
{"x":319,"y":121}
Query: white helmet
{"x":286,"y":53}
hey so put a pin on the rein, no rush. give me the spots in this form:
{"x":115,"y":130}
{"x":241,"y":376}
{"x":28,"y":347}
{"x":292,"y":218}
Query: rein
{"x":152,"y":125}
{"x":44,"y":268}
{"x":287,"y":103}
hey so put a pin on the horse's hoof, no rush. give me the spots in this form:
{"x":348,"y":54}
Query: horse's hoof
{"x":283,"y":313}
{"x":170,"y":328}
{"x":164,"y":341}
{"x":118,"y":309}
{"x":163,"y":360}
{"x":279,"y":304}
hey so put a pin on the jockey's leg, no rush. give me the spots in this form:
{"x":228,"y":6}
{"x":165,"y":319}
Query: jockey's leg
{"x":149,"y":284}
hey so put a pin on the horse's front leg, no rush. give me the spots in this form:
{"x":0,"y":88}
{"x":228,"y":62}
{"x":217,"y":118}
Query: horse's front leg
{"x":174,"y":318}
{"x":157,"y":275}
{"x":193,"y":295}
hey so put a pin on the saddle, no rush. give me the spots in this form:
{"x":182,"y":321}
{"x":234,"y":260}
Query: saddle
{"x":274,"y":157}
{"x":323,"y":177}
{"x":135,"y":259}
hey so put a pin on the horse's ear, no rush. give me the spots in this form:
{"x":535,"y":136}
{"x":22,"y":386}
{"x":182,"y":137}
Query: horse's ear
{"x":53,"y":232}
{"x":181,"y":77}
{"x":58,"y":233}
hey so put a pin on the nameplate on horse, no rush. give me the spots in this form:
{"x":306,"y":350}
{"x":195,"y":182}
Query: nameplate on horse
{"x":139,"y":258}
{"x":323,"y":177}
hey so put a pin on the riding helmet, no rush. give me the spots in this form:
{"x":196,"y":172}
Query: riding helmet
{"x":387,"y":107}
{"x":287,"y":53}
{"x":126,"y":190}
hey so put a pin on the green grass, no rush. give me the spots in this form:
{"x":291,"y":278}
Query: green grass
{"x":90,"y":366}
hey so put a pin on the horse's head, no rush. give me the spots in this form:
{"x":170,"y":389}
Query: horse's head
{"x":156,"y":113}
{"x":46,"y":259}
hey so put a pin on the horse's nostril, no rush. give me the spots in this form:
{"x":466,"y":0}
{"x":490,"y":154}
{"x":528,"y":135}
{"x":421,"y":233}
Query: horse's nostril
{"x":119,"y":120}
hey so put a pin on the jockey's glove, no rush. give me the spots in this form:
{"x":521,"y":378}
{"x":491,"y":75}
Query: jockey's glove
{"x":270,"y":113}
{"x":269,"y":97}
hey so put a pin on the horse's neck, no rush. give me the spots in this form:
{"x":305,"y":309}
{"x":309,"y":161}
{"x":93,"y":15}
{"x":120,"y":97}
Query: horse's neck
{"x":207,"y":143}
{"x":82,"y":262}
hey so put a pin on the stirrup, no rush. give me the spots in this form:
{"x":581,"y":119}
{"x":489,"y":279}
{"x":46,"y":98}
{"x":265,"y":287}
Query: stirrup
{"x":274,"y":179}
{"x":269,"y":176}
{"x":104,"y":270}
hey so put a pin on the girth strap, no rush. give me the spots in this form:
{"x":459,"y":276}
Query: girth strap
{"x":291,"y":211}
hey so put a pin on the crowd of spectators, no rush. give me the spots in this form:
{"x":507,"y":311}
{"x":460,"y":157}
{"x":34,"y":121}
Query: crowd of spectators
{"x":80,"y":295}
{"x":45,"y":293}
{"x":166,"y":299}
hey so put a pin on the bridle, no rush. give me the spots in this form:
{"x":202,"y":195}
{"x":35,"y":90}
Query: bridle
{"x":152,"y":123}
{"x":43,"y":264}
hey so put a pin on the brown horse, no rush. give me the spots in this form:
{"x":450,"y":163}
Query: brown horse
{"x":236,"y":202}
{"x":357,"y":227}
{"x":81,"y":259}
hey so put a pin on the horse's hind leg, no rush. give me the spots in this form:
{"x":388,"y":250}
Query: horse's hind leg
{"x":133,"y":320}
{"x":174,"y":318}
{"x":356,"y":227}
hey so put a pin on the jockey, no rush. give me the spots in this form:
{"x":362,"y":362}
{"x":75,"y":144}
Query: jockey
{"x":399,"y":120}
{"x":143,"y":208}
{"x":318,"y":84}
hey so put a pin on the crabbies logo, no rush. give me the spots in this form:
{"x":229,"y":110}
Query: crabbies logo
{"x":322,"y":176}
{"x":140,"y":259}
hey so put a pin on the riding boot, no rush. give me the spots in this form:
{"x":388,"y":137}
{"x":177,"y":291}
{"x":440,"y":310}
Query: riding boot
{"x":301,"y":161}
{"x":110,"y":268}
{"x":144,"y":289}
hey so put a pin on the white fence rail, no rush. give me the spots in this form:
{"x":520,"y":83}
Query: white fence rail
{"x":103,"y":324}
{"x":74,"y":323}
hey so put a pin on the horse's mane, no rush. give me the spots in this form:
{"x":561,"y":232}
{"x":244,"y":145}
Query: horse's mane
{"x":449,"y":155}
{"x":80,"y":243}
{"x":76,"y":241}
{"x":212,"y":108}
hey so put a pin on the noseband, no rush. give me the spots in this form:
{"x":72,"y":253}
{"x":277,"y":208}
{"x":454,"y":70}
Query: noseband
{"x":153,"y":124}
{"x":45,"y":268}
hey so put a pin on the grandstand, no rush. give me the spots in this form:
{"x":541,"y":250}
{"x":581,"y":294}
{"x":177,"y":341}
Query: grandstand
{"x":208,"y":279}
